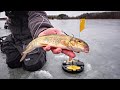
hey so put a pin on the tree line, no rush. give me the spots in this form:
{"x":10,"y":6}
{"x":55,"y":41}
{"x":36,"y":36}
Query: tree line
{"x":102,"y":15}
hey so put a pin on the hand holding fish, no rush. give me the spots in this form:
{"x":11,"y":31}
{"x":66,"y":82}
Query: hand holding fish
{"x":56,"y":50}
{"x":54,"y":40}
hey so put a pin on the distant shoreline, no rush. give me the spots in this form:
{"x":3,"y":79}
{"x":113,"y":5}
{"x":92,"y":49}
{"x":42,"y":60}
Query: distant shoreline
{"x":4,"y":19}
{"x":103,"y":15}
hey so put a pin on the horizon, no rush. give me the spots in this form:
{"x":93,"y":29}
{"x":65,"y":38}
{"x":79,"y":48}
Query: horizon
{"x":69,"y":13}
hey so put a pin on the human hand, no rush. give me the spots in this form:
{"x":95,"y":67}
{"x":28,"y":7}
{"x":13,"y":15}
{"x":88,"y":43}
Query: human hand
{"x":56,"y":50}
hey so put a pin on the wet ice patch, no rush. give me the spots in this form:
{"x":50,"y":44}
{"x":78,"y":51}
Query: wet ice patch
{"x":61,"y":56}
{"x":42,"y":74}
{"x":93,"y":75}
{"x":88,"y":67}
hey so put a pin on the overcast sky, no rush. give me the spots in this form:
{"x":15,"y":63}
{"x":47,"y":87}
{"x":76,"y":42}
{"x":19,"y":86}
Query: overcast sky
{"x":69,"y":13}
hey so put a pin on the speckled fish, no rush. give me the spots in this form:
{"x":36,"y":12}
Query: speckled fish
{"x":61,"y":41}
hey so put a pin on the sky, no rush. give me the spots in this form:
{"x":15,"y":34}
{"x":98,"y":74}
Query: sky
{"x":69,"y":13}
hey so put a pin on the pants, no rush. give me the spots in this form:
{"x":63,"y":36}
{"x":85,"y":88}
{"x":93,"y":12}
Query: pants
{"x":33,"y":61}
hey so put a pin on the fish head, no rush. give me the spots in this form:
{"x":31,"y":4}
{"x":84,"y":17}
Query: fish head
{"x":79,"y":45}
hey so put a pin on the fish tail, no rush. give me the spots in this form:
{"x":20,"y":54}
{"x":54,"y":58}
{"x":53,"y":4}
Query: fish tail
{"x":23,"y":57}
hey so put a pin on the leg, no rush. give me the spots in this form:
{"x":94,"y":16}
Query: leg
{"x":13,"y":59}
{"x":35,"y":60}
{"x":12,"y":54}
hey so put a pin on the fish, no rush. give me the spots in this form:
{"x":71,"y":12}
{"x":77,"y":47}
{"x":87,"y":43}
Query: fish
{"x":54,"y":40}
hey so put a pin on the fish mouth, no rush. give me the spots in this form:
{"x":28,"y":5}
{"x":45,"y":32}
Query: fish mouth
{"x":86,"y":50}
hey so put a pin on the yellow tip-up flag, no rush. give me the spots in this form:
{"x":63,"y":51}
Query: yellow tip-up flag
{"x":82,"y":24}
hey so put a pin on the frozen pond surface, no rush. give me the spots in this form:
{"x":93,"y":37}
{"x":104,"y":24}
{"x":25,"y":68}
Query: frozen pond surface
{"x":102,"y":62}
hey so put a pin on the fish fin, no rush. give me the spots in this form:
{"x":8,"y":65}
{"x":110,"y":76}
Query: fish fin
{"x":73,"y":35}
{"x":23,"y":56}
{"x":43,"y":45}
{"x":67,"y":44}
{"x":64,"y":43}
{"x":71,"y":38}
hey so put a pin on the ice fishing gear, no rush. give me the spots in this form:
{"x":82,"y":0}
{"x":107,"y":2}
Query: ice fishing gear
{"x":73,"y":66}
